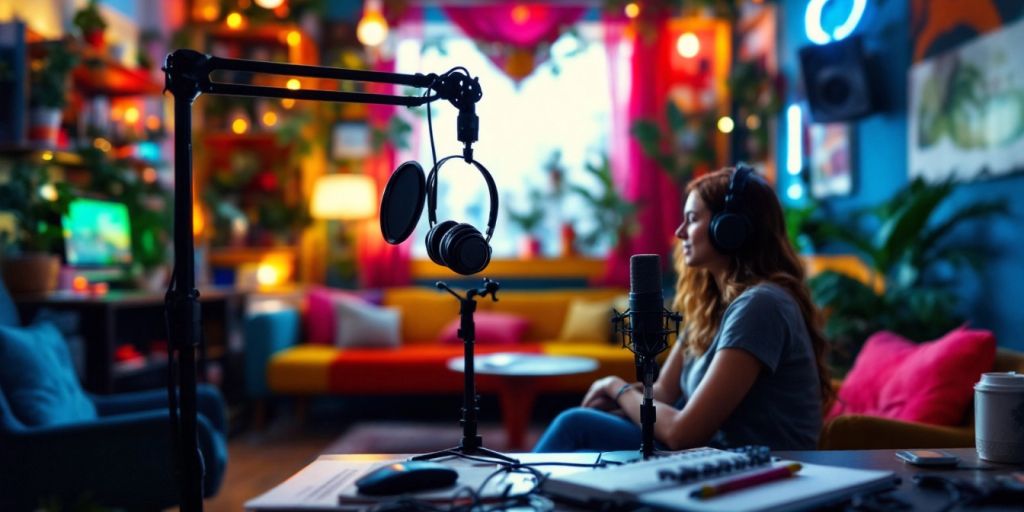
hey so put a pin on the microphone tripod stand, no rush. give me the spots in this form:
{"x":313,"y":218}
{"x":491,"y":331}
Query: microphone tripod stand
{"x":646,"y":365}
{"x":472,"y":443}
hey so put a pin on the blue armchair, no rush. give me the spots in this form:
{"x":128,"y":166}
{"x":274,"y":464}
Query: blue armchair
{"x":122,"y":457}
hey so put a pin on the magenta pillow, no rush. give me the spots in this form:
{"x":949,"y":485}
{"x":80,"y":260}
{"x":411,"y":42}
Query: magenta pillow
{"x":927,"y":383}
{"x":491,"y":329}
{"x":878,"y":359}
{"x":320,"y":320}
{"x":936,"y":383}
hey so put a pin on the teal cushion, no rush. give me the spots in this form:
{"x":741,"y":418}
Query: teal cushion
{"x":38,"y":379}
{"x":8,"y":313}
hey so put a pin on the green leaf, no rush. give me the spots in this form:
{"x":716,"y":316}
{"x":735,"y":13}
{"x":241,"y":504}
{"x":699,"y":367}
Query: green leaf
{"x":976,"y":211}
{"x":898,"y":233}
{"x":674,"y":117}
{"x":647,"y":134}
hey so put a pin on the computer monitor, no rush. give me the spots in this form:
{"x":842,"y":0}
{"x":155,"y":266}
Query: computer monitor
{"x":97,"y":234}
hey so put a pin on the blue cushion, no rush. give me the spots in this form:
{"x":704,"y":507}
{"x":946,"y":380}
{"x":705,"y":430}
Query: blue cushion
{"x":38,"y":379}
{"x":8,"y":313}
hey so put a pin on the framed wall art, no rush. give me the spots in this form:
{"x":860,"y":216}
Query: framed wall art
{"x":831,"y":159}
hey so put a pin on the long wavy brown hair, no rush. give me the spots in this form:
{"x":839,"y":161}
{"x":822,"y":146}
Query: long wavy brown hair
{"x":766,"y":257}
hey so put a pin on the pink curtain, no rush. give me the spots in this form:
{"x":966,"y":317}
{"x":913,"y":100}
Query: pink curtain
{"x":639,"y":93}
{"x":511,"y":34}
{"x":381,"y":264}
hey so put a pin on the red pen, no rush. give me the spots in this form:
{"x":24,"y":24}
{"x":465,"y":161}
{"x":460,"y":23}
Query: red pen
{"x":747,"y":481}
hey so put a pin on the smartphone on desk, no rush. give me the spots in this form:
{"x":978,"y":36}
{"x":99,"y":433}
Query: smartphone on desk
{"x":930,"y":458}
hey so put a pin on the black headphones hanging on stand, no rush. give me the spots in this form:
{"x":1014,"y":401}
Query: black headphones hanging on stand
{"x":458,"y":246}
{"x":731,"y":228}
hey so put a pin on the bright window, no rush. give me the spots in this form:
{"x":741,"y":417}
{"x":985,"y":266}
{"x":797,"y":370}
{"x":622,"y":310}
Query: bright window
{"x":521,"y":126}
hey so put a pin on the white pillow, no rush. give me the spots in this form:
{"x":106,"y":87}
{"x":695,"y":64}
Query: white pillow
{"x":361,"y":324}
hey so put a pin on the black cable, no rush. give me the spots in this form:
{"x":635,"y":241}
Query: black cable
{"x":468,"y":499}
{"x":172,"y":377}
{"x":600,"y":460}
{"x":960,"y":492}
{"x":430,"y":124}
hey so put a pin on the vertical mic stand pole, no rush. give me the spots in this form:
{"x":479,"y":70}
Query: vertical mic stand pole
{"x":647,"y":411}
{"x":472,"y":442}
{"x":649,"y":364}
{"x":183,"y":302}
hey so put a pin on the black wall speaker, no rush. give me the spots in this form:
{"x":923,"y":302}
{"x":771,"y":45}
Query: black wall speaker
{"x":836,"y":80}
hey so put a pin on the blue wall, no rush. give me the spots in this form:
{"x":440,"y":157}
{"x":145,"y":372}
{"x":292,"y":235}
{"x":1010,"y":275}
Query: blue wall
{"x":992,"y":299}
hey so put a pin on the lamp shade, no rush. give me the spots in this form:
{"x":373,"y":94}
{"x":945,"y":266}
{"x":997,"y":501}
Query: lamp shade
{"x":344,"y":196}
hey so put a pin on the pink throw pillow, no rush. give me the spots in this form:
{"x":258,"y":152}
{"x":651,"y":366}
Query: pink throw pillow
{"x":936,"y":383}
{"x":491,"y":329}
{"x":320,"y":319}
{"x":928,"y":383}
{"x":878,"y":359}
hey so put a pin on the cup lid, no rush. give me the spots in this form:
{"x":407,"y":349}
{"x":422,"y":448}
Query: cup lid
{"x":1002,"y":381}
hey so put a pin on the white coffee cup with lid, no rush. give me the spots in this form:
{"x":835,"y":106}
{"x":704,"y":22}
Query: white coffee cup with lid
{"x":999,"y":417}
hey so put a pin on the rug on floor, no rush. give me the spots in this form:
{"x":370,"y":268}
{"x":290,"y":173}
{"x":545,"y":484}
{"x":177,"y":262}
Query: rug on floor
{"x":411,"y":437}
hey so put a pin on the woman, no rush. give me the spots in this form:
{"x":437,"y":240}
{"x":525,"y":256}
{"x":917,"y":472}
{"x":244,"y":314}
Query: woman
{"x":750,"y":367}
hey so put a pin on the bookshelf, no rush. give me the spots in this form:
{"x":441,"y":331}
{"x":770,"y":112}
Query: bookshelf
{"x":256,"y":159}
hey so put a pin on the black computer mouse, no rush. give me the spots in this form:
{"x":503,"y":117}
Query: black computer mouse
{"x":408,"y":476}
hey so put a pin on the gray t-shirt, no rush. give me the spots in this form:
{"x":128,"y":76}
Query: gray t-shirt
{"x":783,"y":408}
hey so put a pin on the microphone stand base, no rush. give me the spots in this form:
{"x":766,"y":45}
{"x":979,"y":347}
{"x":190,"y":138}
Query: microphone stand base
{"x":627,"y":456}
{"x":459,"y":451}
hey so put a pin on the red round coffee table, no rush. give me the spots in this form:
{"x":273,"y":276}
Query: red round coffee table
{"x":518,"y":375}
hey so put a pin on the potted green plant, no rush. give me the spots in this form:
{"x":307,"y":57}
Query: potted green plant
{"x":529,"y":221}
{"x":36,"y":202}
{"x":613,"y":215}
{"x":91,"y":24}
{"x":906,"y":243}
{"x":48,"y":95}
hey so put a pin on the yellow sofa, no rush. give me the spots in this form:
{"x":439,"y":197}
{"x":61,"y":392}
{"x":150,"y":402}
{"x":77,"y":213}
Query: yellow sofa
{"x":418,"y":365}
{"x":859,"y":432}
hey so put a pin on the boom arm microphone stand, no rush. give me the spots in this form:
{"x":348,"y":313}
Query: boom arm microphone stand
{"x":472,"y":443}
{"x":187,"y":75}
{"x":647,"y":364}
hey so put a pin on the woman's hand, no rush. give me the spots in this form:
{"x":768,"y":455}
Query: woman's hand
{"x":601,"y":395}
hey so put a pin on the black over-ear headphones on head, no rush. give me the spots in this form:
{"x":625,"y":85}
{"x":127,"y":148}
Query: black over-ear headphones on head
{"x":731,"y":228}
{"x":458,"y":246}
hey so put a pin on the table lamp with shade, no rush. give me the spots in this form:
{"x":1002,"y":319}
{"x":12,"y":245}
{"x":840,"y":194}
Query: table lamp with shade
{"x":348,"y":198}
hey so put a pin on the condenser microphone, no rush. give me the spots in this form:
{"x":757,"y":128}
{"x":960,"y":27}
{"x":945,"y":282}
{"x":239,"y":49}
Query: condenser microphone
{"x":646,"y":306}
{"x":647,"y":331}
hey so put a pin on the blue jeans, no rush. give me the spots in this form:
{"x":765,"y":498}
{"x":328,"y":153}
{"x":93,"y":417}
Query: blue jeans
{"x":582,"y":429}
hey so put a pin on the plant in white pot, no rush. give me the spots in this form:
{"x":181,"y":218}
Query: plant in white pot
{"x":49,"y":89}
{"x":29,"y":260}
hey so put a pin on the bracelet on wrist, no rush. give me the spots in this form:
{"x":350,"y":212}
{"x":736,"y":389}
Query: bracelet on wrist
{"x":625,"y":387}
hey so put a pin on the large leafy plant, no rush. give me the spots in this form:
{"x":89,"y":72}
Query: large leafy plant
{"x":614,"y":215}
{"x":906,"y":247}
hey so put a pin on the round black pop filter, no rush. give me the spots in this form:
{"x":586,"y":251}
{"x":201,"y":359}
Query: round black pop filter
{"x":402,"y":202}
